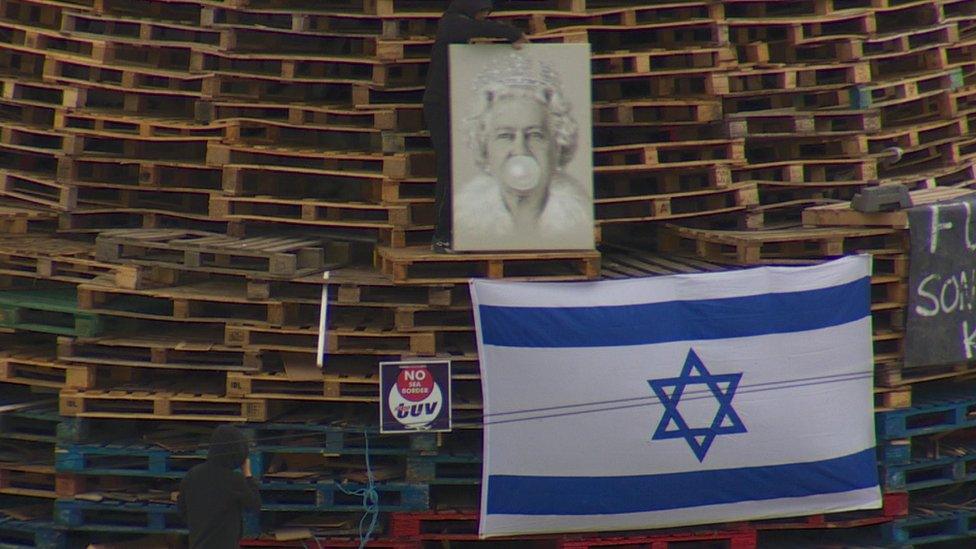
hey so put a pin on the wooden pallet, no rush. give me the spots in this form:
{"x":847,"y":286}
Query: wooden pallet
{"x":820,"y":97}
{"x":27,"y":480}
{"x":401,"y":318}
{"x":192,"y":352}
{"x":634,"y":85}
{"x":875,"y":94}
{"x":894,"y":376}
{"x":656,"y":111}
{"x":920,"y":135}
{"x":777,"y":149}
{"x":125,"y":125}
{"x":624,"y":62}
{"x":362,"y":286}
{"x":421,"y":266}
{"x":49,"y":258}
{"x":123,"y":173}
{"x":99,"y":220}
{"x":790,"y":122}
{"x":395,"y":7}
{"x":797,"y":77}
{"x":397,"y":166}
{"x":36,"y":425}
{"x":268,"y":256}
{"x":178,"y":202}
{"x":887,"y":44}
{"x":800,"y":245}
{"x":332,"y":388}
{"x":26,"y":367}
{"x":28,"y":139}
{"x":306,"y":133}
{"x":25,"y":113}
{"x":137,"y":90}
{"x":153,"y":32}
{"x":842,"y":214}
{"x":329,"y":184}
{"x":39,"y":13}
{"x":202,"y":302}
{"x":181,"y":149}
{"x":38,"y":190}
{"x":169,"y":102}
{"x":820,"y":173}
{"x":323,"y":213}
{"x":345,"y":340}
{"x":252,"y":88}
{"x":629,"y":157}
{"x":626,"y":209}
{"x":133,"y":404}
{"x":405,"y":118}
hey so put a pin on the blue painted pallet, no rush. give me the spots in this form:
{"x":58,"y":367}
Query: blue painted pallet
{"x":928,"y":473}
{"x":17,"y":534}
{"x":335,"y":438}
{"x":328,"y":496}
{"x":917,"y":530}
{"x":116,"y":516}
{"x":938,"y":412}
{"x":445,"y":469}
{"x":137,"y":460}
{"x":894,"y":452}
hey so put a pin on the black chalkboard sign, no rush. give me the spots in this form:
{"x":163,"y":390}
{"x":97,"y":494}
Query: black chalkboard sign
{"x":941,"y":316}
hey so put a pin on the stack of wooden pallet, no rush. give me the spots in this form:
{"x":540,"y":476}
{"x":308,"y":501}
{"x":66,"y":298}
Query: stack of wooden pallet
{"x":205,"y":162}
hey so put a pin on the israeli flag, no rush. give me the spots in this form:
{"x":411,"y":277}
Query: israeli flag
{"x":676,"y":400}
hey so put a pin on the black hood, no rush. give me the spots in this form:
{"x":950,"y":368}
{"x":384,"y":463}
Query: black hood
{"x":469,"y":7}
{"x":228,"y":448}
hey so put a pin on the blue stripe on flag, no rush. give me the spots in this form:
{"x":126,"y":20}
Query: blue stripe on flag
{"x":534,"y":495}
{"x":649,"y":323}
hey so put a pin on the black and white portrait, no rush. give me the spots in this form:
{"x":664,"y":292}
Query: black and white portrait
{"x":522,"y":152}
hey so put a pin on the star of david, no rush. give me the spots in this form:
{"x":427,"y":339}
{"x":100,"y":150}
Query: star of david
{"x":722,"y":388}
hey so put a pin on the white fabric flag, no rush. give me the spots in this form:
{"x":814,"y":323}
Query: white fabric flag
{"x":676,"y":400}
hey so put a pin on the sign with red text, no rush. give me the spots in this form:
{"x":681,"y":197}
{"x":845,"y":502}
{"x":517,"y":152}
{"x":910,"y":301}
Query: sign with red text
{"x":415,"y":396}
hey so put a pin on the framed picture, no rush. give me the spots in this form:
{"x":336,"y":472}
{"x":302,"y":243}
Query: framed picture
{"x":522,"y":162}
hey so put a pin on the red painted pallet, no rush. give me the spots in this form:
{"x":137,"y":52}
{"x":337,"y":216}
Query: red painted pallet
{"x":323,"y":543}
{"x":435,"y":525}
{"x":736,"y":539}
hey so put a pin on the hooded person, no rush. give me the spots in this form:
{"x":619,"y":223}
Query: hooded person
{"x":463,"y":20}
{"x":213,"y":495}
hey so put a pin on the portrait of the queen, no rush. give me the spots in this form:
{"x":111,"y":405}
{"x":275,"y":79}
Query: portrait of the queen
{"x":522,"y":153}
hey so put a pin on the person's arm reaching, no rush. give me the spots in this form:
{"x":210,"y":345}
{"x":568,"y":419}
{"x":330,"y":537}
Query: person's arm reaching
{"x":249,"y":494}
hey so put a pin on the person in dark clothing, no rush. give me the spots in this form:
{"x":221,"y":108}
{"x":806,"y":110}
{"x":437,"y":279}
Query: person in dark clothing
{"x":463,"y":20}
{"x":213,"y":494}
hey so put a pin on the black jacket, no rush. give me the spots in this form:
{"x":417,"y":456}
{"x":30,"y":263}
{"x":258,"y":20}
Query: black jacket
{"x":458,"y":26}
{"x":213,"y":494}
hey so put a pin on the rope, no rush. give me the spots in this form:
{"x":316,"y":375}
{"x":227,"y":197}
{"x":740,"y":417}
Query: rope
{"x":371,"y":500}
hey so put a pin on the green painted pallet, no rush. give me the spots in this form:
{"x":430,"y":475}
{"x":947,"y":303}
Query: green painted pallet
{"x":50,"y":311}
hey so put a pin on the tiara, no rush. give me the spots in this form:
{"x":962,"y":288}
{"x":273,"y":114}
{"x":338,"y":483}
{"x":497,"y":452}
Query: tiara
{"x":515,"y":70}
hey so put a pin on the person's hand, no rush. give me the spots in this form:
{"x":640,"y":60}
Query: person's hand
{"x":246,"y":468}
{"x":523,"y":40}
